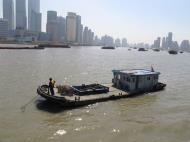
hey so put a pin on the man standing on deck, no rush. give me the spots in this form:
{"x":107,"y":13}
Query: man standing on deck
{"x":51,"y":86}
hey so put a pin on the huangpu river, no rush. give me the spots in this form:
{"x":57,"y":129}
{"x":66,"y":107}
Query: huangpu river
{"x":155,"y":117}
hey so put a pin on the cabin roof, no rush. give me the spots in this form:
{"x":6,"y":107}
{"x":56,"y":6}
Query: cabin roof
{"x":136,"y":72}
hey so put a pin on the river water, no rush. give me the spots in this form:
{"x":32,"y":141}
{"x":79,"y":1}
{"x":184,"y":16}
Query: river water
{"x":156,"y":117}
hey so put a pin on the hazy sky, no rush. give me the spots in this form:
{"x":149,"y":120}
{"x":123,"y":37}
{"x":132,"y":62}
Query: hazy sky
{"x":137,"y":20}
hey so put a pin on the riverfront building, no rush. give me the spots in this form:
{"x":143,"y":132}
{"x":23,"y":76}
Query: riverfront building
{"x":118,"y":42}
{"x":157,"y":43}
{"x":71,"y":27}
{"x":185,"y":45}
{"x":124,"y":42}
{"x":4,"y":26}
{"x":61,"y":27}
{"x":52,"y":26}
{"x":34,"y":16}
{"x":21,"y":20}
{"x":79,"y":30}
{"x":8,"y":13}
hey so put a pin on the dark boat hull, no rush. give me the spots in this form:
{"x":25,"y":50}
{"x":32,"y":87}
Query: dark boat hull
{"x":108,"y":47}
{"x":173,"y":52}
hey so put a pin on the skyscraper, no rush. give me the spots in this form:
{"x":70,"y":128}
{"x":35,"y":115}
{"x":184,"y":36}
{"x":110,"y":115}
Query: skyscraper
{"x":8,"y":13}
{"x":118,"y":42}
{"x":85,"y":35}
{"x":124,"y":42}
{"x":107,"y":40}
{"x":164,"y":42}
{"x":52,"y":26}
{"x":21,"y":14}
{"x":3,"y":28}
{"x":71,"y":27}
{"x":157,"y":43}
{"x":169,"y":40}
{"x":51,"y":16}
{"x":61,"y":27}
{"x":34,"y":15}
{"x":79,"y":29}
{"x":185,"y":45}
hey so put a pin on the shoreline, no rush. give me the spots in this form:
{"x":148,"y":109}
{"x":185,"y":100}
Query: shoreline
{"x":31,"y":47}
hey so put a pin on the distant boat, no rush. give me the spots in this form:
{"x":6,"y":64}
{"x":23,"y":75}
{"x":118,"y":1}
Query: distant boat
{"x":157,"y":50}
{"x":53,"y":46}
{"x":142,"y":49}
{"x":174,"y":52}
{"x":108,"y":47}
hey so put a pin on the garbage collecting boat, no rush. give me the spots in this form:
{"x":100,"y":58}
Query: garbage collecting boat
{"x":125,"y":83}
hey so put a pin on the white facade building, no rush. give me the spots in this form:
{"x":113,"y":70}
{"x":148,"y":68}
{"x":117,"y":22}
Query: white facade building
{"x":71,"y":27}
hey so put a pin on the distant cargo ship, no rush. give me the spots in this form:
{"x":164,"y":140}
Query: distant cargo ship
{"x":142,"y":49}
{"x":174,"y":52}
{"x":108,"y":47}
{"x":53,"y":46}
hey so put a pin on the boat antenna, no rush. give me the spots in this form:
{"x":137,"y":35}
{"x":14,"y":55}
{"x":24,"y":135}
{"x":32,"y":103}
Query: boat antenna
{"x":152,"y":69}
{"x":23,"y":108}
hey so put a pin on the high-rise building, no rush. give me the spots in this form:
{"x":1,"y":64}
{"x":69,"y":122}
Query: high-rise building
{"x":124,"y":42}
{"x":90,"y":37}
{"x":170,"y":36}
{"x":164,"y":42}
{"x":85,"y":35}
{"x":52,"y":26}
{"x":169,"y":40}
{"x":174,"y":45}
{"x":97,"y":41}
{"x":157,"y":43}
{"x":8,"y":12}
{"x":71,"y":27}
{"x":51,"y":16}
{"x":61,"y":27}
{"x":3,"y":28}
{"x":34,"y":15}
{"x":79,"y":30}
{"x":107,"y":40}
{"x":118,"y":42}
{"x":21,"y":14}
{"x":185,"y":45}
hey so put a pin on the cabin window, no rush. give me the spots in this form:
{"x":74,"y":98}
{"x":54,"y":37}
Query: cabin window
{"x":124,"y":78}
{"x":119,"y":77}
{"x":148,"y":78}
{"x":133,"y":79}
{"x":115,"y":76}
{"x":155,"y":77}
{"x":139,"y":80}
{"x":128,"y":79}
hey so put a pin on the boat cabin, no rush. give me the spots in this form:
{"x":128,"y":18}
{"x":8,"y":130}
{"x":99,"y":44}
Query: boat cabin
{"x":135,"y":80}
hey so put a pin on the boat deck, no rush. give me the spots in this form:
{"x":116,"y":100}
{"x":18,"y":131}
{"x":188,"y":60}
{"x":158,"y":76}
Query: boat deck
{"x":112,"y":92}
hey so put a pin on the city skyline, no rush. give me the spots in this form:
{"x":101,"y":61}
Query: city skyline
{"x":138,"y":21}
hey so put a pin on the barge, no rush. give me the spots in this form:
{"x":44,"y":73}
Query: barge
{"x":173,"y":52}
{"x":53,"y":46}
{"x":125,"y":84}
{"x":108,"y":47}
